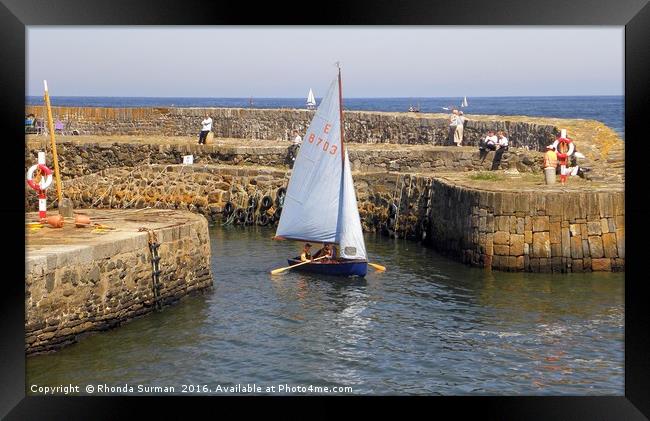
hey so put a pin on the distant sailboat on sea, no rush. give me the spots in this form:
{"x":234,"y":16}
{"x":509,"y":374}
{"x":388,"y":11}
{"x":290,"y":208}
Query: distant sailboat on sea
{"x":311,"y":101}
{"x":464,"y":103}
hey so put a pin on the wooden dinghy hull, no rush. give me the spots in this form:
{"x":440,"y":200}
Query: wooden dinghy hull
{"x":341,"y":268}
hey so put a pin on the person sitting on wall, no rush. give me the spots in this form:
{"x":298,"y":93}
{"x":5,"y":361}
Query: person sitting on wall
{"x":29,"y":124}
{"x":306,"y":253}
{"x":488,"y":143}
{"x":502,"y":147}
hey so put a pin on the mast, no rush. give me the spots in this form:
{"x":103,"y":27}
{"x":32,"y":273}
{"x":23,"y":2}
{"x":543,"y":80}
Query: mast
{"x":341,"y":116}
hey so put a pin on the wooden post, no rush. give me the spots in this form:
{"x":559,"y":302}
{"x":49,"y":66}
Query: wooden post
{"x":50,"y":124}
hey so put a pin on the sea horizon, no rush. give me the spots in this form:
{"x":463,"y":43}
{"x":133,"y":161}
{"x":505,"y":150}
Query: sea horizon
{"x":608,"y":109}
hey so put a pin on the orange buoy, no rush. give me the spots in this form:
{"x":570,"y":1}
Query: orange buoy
{"x":56,"y":221}
{"x":81,"y":220}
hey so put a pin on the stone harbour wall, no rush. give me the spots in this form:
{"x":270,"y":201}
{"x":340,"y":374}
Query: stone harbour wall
{"x":81,"y":158}
{"x":506,"y":230}
{"x":96,"y":287}
{"x":277,"y":124}
{"x":529,"y":231}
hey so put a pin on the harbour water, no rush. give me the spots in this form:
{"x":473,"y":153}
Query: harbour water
{"x":607,"y":109}
{"x":428,"y":325}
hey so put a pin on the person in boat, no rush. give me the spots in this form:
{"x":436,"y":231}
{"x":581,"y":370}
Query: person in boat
{"x":325,"y":251}
{"x":306,"y":253}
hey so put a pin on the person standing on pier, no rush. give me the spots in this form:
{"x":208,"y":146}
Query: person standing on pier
{"x":295,"y":146}
{"x":453,"y":124}
{"x":207,"y":127}
{"x":458,"y":134}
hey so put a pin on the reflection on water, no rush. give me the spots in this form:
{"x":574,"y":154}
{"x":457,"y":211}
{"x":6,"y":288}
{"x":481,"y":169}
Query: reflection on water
{"x":426,"y":326}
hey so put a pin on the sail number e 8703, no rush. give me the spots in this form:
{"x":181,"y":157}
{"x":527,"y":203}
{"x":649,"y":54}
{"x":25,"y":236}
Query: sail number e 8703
{"x":320,"y":142}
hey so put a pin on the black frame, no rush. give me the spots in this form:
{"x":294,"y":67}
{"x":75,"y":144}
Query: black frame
{"x":634,"y":14}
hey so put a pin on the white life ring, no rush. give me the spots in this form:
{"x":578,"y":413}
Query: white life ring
{"x":571,"y":147}
{"x":44,"y":183}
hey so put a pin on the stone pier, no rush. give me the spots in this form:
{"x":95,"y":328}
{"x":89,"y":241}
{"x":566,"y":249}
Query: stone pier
{"x":82,"y":280}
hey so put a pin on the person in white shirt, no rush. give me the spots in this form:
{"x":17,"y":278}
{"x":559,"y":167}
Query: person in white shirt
{"x":458,"y":134}
{"x":489,"y":142}
{"x":207,"y":127}
{"x":295,"y":146}
{"x":453,"y":123}
{"x":502,"y":144}
{"x":502,"y":141}
{"x":297,"y":140}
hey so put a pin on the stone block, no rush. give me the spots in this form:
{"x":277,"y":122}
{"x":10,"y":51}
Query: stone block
{"x":501,"y":250}
{"x":520,"y":226}
{"x":620,"y":242}
{"x":556,"y":250}
{"x":556,"y":265}
{"x":601,"y":265}
{"x":554,"y":205}
{"x":575,"y":230}
{"x":513,"y":225}
{"x":604,"y":225}
{"x":545,"y":265}
{"x":482,"y":224}
{"x":566,"y":242}
{"x":522,"y":202}
{"x":528,"y":236}
{"x":611,"y":225}
{"x":576,"y":247}
{"x":576,"y":265}
{"x":594,"y":228}
{"x":596,"y":247}
{"x":609,"y":245}
{"x":520,"y":263}
{"x":540,"y":223}
{"x":606,"y":205}
{"x":620,"y":221}
{"x":554,"y":232}
{"x":508,"y":204}
{"x":502,"y":237}
{"x":489,"y":244}
{"x":517,"y":244}
{"x":489,"y":223}
{"x":555,"y":218}
{"x":528,"y":223}
{"x":541,"y":244}
{"x":502,"y":223}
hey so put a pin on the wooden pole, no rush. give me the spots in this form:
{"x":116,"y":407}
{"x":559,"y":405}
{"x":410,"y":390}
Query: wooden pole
{"x":50,"y":124}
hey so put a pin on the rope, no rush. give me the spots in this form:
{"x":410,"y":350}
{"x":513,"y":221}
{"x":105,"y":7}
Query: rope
{"x":401,"y":191}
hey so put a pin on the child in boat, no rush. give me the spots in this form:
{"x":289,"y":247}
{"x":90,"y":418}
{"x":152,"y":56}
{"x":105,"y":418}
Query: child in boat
{"x":306,"y":253}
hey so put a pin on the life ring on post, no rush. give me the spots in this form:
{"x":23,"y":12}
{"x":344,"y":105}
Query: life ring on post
{"x":44,"y":183}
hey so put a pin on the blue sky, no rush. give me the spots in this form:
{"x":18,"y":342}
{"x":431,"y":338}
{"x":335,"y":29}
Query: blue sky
{"x":377,"y":61}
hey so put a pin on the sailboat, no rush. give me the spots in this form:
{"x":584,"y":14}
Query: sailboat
{"x":311,"y":101}
{"x":320,"y":205}
{"x":464,"y":103}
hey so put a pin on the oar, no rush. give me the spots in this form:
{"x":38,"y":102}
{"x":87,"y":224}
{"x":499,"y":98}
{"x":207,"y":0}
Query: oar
{"x":279,"y":270}
{"x":378,"y":267}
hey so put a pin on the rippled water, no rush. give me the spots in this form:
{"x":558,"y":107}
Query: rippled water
{"x":426,"y":326}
